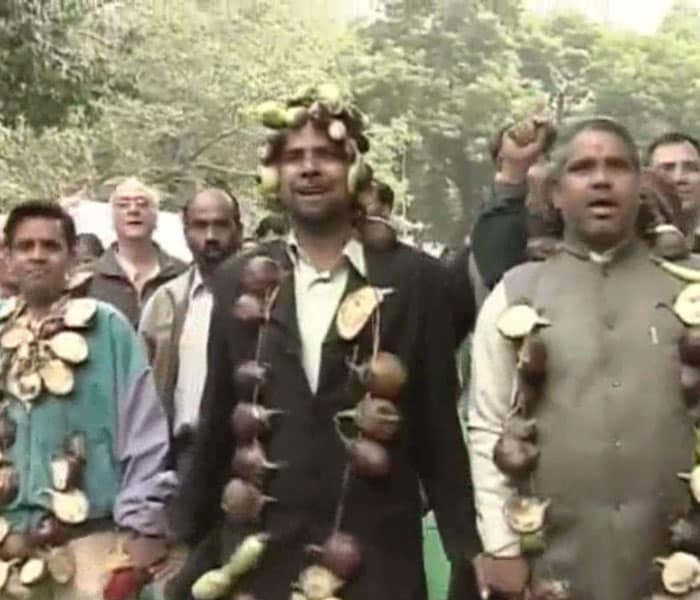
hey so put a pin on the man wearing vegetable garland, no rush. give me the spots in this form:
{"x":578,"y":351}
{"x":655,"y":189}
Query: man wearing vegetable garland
{"x":83,"y":435}
{"x":584,"y":410}
{"x":331,"y":392}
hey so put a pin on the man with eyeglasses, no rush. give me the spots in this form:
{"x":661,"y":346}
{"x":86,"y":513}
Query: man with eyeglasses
{"x":134,"y":266}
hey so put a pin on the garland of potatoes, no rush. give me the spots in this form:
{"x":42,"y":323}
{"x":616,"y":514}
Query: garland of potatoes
{"x":40,"y":357}
{"x":516,"y":453}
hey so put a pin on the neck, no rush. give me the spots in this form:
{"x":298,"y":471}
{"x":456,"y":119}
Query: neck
{"x":137,"y":252}
{"x":38,"y":308}
{"x":599,"y":246}
{"x":323,"y":246}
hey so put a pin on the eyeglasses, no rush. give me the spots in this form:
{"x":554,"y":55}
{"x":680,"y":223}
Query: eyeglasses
{"x":126,"y":202}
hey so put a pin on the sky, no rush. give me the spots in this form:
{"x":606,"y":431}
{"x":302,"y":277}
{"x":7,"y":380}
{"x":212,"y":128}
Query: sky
{"x":640,"y":15}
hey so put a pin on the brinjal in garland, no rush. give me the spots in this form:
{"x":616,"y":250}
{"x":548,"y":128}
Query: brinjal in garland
{"x":248,"y":375}
{"x":690,"y":384}
{"x":383,"y":375}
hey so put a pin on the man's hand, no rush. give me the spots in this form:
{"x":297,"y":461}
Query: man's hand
{"x":515,"y":160}
{"x":502,"y":577}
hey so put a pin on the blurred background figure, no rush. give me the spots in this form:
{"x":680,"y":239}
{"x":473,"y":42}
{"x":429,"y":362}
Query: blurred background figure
{"x":271,"y":227}
{"x":88,"y":248}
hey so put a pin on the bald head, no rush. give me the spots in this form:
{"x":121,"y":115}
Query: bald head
{"x":212,"y":227}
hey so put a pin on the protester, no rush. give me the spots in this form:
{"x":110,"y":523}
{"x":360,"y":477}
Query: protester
{"x":271,"y":227}
{"x":175,"y":321}
{"x":500,"y":233}
{"x":677,"y":155}
{"x":582,"y":495}
{"x":134,"y":266}
{"x":84,"y":437}
{"x":314,"y":167}
{"x":88,"y":248}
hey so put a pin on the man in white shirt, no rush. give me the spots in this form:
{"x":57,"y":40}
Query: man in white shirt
{"x":175,"y":321}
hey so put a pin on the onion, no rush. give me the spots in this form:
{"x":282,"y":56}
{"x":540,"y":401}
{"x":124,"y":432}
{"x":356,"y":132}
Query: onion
{"x":340,"y":554}
{"x":383,"y":375}
{"x":249,"y":462}
{"x":377,"y":418}
{"x":249,"y":308}
{"x":249,"y":374}
{"x":532,"y":359}
{"x":250,"y":421}
{"x":369,"y":459}
{"x":689,"y":346}
{"x":260,"y":275}
{"x":690,"y":384}
{"x":515,"y":457}
{"x":685,"y":534}
{"x":243,"y":502}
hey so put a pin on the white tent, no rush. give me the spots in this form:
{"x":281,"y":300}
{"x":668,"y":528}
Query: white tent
{"x":96,"y":217}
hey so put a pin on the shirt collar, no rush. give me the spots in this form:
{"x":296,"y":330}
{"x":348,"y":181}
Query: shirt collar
{"x":352,"y":251}
{"x":197,"y":285}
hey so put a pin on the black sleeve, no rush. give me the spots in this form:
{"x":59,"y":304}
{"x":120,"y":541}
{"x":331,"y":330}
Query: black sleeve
{"x":444,"y":468}
{"x":499,"y":237}
{"x":461,"y":295}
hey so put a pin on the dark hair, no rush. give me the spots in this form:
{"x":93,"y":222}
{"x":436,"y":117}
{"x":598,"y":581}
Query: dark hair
{"x":671,"y":138}
{"x":385,"y":194}
{"x":219,"y":194}
{"x":40,"y":209}
{"x":497,"y":142}
{"x":602,"y":124}
{"x":92,"y":244}
{"x":276,"y":224}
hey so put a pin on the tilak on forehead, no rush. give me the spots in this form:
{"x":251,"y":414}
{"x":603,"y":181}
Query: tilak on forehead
{"x":327,"y":109}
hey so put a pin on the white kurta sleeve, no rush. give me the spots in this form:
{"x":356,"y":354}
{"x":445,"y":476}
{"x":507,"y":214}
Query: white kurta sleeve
{"x":493,"y":373}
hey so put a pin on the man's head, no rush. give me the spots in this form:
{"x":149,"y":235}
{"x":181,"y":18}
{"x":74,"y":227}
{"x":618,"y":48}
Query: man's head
{"x":271,"y":227}
{"x":40,"y":238}
{"x":594,"y":181}
{"x":212,"y":226}
{"x":88,"y":248}
{"x":313,"y":161}
{"x":678,"y":156}
{"x":134,"y":210}
{"x":313,"y":172}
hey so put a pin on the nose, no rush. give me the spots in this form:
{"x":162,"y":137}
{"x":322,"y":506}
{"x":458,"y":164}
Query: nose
{"x":601,"y":177}
{"x":309,"y":166}
{"x":37,"y":254}
{"x":679,"y":175}
{"x":209,"y":235}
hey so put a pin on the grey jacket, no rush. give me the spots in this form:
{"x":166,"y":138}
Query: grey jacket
{"x":112,"y":285}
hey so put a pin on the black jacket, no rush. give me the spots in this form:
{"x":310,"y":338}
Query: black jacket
{"x":385,"y":515}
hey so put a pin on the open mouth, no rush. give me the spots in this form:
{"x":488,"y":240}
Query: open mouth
{"x":602,"y":207}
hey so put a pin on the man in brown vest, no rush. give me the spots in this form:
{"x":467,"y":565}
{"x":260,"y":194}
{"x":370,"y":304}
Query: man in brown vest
{"x":578,"y":428}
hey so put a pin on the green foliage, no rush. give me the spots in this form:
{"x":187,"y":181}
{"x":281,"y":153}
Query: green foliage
{"x":164,"y":90}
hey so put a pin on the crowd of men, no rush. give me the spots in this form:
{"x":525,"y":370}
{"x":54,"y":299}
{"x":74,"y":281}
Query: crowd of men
{"x":118,"y":441}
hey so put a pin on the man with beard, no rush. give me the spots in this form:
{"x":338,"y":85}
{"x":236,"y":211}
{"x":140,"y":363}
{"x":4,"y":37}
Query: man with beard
{"x":175,"y":321}
{"x":333,"y":303}
{"x":579,"y":424}
{"x":677,"y":155}
{"x":134,"y":266}
{"x":84,"y":438}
